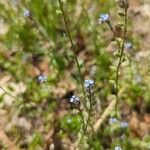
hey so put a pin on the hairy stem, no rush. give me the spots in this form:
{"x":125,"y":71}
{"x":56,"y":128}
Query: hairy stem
{"x":120,"y":58}
{"x":121,"y":52}
{"x":74,"y":51}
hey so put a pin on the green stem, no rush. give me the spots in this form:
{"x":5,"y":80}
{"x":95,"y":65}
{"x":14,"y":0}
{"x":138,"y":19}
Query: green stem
{"x":74,"y":51}
{"x":88,"y":119}
{"x":121,"y":51}
{"x":89,"y":112}
{"x":84,"y":126}
{"x":120,"y":59}
{"x":112,"y":29}
{"x":8,"y":93}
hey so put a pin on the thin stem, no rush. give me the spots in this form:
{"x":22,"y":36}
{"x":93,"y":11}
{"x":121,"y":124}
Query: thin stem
{"x":112,"y":29}
{"x":120,"y":58}
{"x":84,"y":126}
{"x":7,"y":93}
{"x":121,"y":51}
{"x":40,"y":29}
{"x":88,"y":119}
{"x":73,"y":48}
{"x":89,"y":114}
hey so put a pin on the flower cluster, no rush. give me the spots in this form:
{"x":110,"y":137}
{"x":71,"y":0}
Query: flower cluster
{"x":89,"y":86}
{"x":104,"y":18}
{"x":75,"y":101}
{"x":42,"y":78}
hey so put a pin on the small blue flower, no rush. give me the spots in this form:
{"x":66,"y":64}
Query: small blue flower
{"x":75,"y":102}
{"x":124,"y":124}
{"x":74,"y":99}
{"x":118,"y":148}
{"x":103,"y":18}
{"x":128,"y":45}
{"x":42,"y":78}
{"x":113,"y":121}
{"x":89,"y":85}
{"x":26,"y":13}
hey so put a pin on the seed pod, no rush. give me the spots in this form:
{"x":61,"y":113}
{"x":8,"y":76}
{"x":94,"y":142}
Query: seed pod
{"x":123,"y":4}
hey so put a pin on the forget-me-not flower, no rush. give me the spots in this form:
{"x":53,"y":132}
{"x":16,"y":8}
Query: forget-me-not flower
{"x":113,"y":121}
{"x":89,"y":85}
{"x":124,"y":124}
{"x":75,"y":101}
{"x":26,"y":13}
{"x":128,"y":45}
{"x":42,"y":78}
{"x":103,"y":18}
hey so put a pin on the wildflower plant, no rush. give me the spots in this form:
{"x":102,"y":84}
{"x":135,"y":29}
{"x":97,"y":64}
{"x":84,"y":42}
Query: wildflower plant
{"x":88,"y":84}
{"x":42,"y":78}
{"x":92,"y":118}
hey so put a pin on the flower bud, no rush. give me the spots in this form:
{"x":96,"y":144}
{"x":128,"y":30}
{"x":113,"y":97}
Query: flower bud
{"x":123,"y":4}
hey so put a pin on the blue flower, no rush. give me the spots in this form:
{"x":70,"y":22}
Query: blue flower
{"x":75,"y":102}
{"x":89,"y":85}
{"x":113,"y":121}
{"x":74,"y":99}
{"x":124,"y":124}
{"x":118,"y":148}
{"x":103,"y":18}
{"x":128,"y":45}
{"x":26,"y":13}
{"x":42,"y":78}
